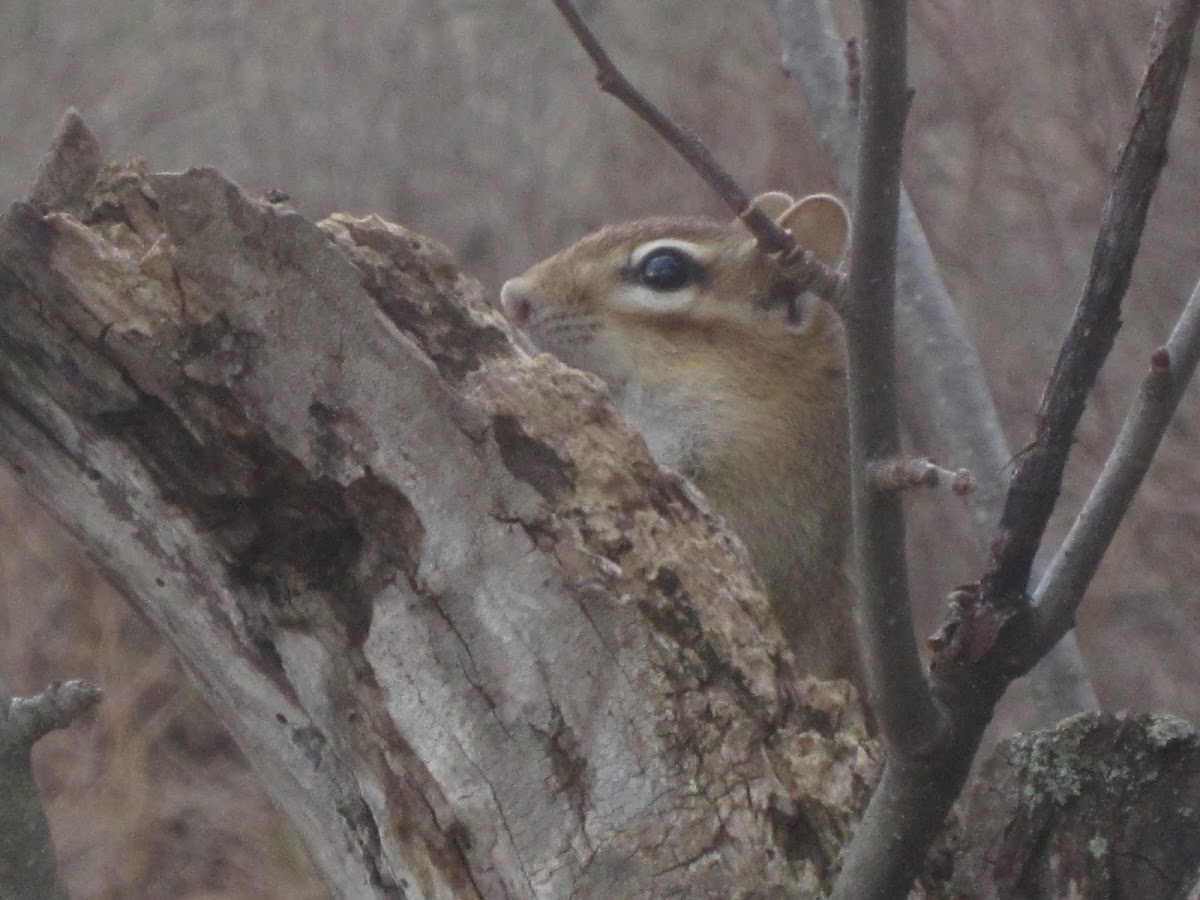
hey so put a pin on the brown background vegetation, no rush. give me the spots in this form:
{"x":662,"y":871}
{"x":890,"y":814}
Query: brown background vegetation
{"x":476,"y":121}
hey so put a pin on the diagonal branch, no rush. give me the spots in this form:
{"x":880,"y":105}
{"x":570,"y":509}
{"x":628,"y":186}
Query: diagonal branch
{"x":798,"y":264}
{"x":1038,"y":476}
{"x":945,"y":398}
{"x":972,"y":669}
{"x":29,"y":719}
{"x":1071,"y":571}
{"x":686,"y":143}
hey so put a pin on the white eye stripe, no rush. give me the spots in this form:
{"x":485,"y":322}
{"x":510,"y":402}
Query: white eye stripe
{"x":637,"y":297}
{"x":641,"y":251}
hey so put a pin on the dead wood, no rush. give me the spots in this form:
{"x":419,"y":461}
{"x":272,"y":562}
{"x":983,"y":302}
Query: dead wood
{"x":474,"y":641}
{"x":1101,"y":806}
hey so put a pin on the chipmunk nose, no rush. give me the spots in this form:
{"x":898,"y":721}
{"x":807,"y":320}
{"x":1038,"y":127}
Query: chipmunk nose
{"x":516,"y":301}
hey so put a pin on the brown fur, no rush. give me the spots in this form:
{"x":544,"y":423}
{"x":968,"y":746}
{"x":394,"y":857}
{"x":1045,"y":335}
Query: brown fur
{"x":748,"y":406}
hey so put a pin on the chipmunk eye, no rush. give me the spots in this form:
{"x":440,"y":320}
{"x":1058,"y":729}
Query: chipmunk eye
{"x":666,"y":269}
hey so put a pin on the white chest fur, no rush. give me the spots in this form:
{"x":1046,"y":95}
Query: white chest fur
{"x":673,"y":421}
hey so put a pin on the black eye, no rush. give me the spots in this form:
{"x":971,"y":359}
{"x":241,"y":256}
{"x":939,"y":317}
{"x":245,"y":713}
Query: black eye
{"x":666,"y":269}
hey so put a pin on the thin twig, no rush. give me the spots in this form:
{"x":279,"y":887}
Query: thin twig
{"x":944,"y":396}
{"x":882,"y":859}
{"x":802,"y":267}
{"x":1037,"y":479}
{"x":685,"y":142}
{"x":1073,"y":567}
{"x":905,"y":473}
{"x":976,"y":660}
{"x":900,"y":696}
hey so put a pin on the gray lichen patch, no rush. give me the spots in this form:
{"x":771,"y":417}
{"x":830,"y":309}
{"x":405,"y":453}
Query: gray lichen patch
{"x":1100,"y":801}
{"x":1060,"y":765}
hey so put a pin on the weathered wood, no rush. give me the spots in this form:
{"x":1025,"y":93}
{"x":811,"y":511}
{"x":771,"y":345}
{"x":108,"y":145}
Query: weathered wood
{"x":28,"y":868}
{"x":475,"y":642}
{"x":1102,"y":806}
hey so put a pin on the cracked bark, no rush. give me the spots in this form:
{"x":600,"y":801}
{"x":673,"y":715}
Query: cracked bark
{"x":474,"y":641}
{"x":1101,"y":806}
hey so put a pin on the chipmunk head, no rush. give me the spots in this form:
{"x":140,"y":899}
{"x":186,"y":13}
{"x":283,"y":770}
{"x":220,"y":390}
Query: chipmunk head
{"x":695,"y":331}
{"x":639,"y":287}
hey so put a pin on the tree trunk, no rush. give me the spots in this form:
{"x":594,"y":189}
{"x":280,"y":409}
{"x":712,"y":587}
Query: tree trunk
{"x":474,"y":641}
{"x":1102,"y":806}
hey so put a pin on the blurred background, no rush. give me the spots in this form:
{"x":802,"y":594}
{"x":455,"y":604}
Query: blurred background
{"x":477,"y":122}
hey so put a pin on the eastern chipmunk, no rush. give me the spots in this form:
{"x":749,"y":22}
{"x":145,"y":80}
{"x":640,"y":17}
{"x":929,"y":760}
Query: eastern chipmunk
{"x":688,"y":324}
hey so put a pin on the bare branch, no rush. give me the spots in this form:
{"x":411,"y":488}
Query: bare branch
{"x":972,"y":666}
{"x":945,"y":398}
{"x":1071,"y":571}
{"x":807,"y":271}
{"x":883,"y":857}
{"x":610,"y":79}
{"x":30,"y":718}
{"x":1038,"y":476}
{"x":829,"y":74}
{"x":28,"y":867}
{"x":900,"y":696}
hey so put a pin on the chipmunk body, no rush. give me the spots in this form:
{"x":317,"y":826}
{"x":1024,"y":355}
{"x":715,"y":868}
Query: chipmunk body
{"x":688,"y":324}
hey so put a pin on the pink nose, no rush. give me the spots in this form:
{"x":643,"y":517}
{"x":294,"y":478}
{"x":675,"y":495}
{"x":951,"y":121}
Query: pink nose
{"x":515,"y":302}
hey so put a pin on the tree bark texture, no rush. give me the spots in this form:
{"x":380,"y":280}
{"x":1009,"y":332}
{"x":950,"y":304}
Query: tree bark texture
{"x":1101,"y":806}
{"x":474,"y":641}
{"x":28,"y":867}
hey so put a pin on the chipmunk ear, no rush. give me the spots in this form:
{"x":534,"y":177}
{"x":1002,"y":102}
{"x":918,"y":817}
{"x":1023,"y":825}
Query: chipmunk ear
{"x":821,"y":224}
{"x":773,"y":203}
